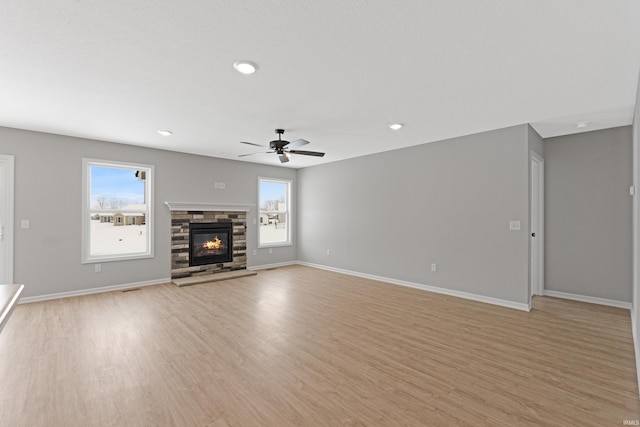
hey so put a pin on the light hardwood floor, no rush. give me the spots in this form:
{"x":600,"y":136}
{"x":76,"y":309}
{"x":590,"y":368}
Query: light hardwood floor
{"x":301,"y":346}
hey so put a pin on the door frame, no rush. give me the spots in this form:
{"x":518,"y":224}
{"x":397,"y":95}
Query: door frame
{"x":536,"y":273}
{"x":7,"y":182}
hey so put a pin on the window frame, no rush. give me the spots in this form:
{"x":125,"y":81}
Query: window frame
{"x":289,"y":184}
{"x":87,"y":211}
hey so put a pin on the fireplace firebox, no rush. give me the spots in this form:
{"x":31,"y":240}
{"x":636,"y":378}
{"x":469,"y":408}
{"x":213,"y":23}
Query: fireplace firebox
{"x":210,"y":243}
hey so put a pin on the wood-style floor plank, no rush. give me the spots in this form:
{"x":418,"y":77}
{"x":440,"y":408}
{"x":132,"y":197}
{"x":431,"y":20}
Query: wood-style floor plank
{"x":301,"y":346}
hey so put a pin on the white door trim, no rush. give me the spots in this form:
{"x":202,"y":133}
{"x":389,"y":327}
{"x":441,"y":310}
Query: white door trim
{"x":7,"y":170}
{"x":537,"y":227}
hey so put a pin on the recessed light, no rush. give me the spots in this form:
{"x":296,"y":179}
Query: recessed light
{"x":245,"y":67}
{"x":581,"y":125}
{"x":395,"y":126}
{"x":165,"y":132}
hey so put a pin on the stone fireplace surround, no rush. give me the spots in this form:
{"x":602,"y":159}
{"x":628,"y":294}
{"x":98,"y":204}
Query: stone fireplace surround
{"x":182,"y":214}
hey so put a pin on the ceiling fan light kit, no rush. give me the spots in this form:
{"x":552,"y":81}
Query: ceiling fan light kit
{"x":283,"y":148}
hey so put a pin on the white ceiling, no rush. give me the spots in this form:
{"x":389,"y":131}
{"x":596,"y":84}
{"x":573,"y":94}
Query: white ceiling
{"x":333,"y":72}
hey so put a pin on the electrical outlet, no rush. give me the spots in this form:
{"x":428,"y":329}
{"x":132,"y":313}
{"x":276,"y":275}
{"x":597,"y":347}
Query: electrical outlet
{"x":514,"y":225}
{"x":24,"y":224}
{"x":328,"y":252}
{"x":434,"y":267}
{"x":98,"y":268}
{"x":221,"y":185}
{"x":255,"y":252}
{"x":270,"y":250}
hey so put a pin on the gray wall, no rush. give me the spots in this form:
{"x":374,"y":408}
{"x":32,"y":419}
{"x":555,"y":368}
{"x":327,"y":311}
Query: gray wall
{"x":393,"y":214}
{"x":588,"y":214}
{"x":48,"y":171}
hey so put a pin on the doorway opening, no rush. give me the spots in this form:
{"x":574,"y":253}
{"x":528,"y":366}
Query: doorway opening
{"x":536,"y":227}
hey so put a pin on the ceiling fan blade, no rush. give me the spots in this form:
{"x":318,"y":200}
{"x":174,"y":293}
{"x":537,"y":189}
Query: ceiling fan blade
{"x":307,"y":153}
{"x":297,"y":143}
{"x":251,"y":143}
{"x":283,"y":158}
{"x":251,"y":154}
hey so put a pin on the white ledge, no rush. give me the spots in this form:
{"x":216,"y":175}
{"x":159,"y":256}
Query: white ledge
{"x":199,"y":206}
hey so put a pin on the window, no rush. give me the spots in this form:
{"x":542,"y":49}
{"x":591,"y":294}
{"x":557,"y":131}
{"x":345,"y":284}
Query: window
{"x":274,"y":201}
{"x":117,"y":211}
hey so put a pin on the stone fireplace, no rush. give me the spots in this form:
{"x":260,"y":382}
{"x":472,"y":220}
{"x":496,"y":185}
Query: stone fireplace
{"x":207,"y":240}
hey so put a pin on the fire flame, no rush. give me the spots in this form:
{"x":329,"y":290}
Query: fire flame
{"x":215,"y":244}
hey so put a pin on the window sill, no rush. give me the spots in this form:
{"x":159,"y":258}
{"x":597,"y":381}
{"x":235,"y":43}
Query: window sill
{"x":95,"y":260}
{"x":275,"y":245}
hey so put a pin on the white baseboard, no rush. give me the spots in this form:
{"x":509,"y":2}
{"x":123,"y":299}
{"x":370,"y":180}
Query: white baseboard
{"x":435,"y":289}
{"x":93,"y":291}
{"x":584,"y":298}
{"x":276,"y":265}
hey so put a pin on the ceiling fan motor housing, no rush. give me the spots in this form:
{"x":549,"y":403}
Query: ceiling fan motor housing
{"x":278,"y":144}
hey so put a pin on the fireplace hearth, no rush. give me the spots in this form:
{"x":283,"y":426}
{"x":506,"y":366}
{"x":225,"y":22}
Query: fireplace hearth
{"x":210,"y":243}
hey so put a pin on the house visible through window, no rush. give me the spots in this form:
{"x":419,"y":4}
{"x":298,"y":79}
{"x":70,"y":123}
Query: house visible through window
{"x":274,"y":212}
{"x":117,"y":211}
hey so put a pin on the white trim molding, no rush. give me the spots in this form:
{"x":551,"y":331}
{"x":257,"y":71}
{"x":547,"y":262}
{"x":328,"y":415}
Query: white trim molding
{"x":94,"y":290}
{"x":288,"y":186}
{"x":146,"y":208}
{"x":538,"y":285}
{"x":459,"y":294}
{"x":211,"y":207}
{"x":588,"y":299}
{"x":7,"y":187}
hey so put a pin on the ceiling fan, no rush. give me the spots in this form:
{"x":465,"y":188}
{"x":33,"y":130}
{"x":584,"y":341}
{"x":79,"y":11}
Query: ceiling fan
{"x":283,"y":148}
